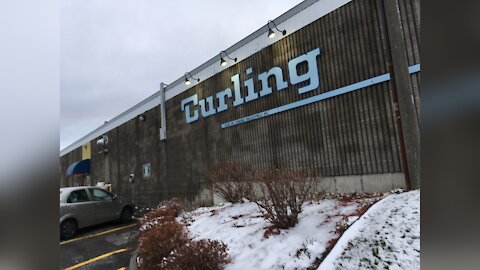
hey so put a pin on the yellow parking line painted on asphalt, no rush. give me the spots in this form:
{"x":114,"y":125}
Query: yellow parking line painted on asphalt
{"x":97,"y":234}
{"x":96,"y":258}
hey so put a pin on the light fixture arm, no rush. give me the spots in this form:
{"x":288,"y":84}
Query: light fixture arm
{"x":189,"y":74}
{"x":275,"y":25}
{"x":226,"y":54}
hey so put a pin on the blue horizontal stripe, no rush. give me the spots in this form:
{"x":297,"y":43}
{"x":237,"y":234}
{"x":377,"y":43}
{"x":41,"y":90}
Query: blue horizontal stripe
{"x":414,"y":68}
{"x":319,"y":97}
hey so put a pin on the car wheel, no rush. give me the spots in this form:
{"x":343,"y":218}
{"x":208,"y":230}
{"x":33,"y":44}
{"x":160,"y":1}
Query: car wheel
{"x":126,"y":215}
{"x":68,"y":228}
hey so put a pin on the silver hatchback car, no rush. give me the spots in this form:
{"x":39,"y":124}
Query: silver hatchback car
{"x":88,"y":205}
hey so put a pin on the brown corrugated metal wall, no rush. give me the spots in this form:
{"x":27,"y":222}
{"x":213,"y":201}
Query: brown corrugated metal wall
{"x":351,"y":134}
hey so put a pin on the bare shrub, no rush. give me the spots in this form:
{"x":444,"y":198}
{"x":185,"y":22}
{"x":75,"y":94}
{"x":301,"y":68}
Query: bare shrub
{"x":197,"y":255}
{"x":284,"y":193}
{"x":159,"y":215}
{"x":167,"y":211}
{"x":164,"y":244}
{"x":176,"y":204}
{"x":231,"y":182}
{"x":158,"y":242}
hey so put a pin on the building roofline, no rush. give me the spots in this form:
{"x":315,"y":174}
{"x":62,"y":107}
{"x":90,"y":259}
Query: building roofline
{"x":176,"y":87}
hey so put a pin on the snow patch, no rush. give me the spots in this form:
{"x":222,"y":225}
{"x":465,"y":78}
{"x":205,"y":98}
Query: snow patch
{"x":242,"y":227}
{"x":387,"y":236}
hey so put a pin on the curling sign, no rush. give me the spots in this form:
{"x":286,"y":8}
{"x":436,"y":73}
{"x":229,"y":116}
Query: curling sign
{"x":193,"y":107}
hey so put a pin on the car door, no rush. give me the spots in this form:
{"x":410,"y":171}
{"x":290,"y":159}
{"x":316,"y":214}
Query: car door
{"x":106,"y":206}
{"x":82,"y":208}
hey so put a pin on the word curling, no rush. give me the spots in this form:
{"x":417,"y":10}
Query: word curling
{"x":190,"y":105}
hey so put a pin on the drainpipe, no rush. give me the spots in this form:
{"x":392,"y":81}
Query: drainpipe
{"x":163,"y":127}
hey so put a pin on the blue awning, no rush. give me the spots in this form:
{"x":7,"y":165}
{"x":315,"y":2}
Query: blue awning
{"x":79,"y":167}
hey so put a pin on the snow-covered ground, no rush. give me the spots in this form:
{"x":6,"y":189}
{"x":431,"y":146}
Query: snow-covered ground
{"x":387,"y":236}
{"x":253,"y":246}
{"x":389,"y":229}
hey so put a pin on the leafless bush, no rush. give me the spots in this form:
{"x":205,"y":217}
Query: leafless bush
{"x":284,"y":193}
{"x":197,"y":255}
{"x":158,"y":242}
{"x":164,"y":244}
{"x":158,"y":215}
{"x":166,"y":212}
{"x":231,"y":182}
{"x":176,"y":204}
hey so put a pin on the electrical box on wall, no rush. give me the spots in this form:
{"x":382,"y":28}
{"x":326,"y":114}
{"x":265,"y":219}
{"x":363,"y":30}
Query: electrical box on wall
{"x":147,"y":170}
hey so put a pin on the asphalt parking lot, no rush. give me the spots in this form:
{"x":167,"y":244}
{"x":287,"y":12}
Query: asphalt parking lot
{"x":103,"y":247}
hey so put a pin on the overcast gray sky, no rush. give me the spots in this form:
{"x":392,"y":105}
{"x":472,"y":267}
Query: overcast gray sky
{"x":114,"y":53}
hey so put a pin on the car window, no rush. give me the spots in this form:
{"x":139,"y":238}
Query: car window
{"x":100,"y":195}
{"x":78,"y":196}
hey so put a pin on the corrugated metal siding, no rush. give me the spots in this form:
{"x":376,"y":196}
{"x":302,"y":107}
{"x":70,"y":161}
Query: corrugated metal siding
{"x":351,"y":134}
{"x":345,"y":135}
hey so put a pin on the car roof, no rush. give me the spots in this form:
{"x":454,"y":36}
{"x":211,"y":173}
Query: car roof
{"x":66,"y":189}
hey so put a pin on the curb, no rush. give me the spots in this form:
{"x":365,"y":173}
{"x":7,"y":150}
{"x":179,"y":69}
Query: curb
{"x":133,"y":261}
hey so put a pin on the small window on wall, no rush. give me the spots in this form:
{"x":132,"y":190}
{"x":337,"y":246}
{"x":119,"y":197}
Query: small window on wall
{"x":147,"y":170}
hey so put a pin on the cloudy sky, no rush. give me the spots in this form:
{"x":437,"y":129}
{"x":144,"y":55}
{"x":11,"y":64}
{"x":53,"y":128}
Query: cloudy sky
{"x":114,"y":53}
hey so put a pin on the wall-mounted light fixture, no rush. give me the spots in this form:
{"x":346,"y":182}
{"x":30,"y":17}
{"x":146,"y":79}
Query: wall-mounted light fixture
{"x":102,"y":143}
{"x":103,"y":140}
{"x":142,"y":117}
{"x":271,"y":33}
{"x":187,"y":81}
{"x":222,"y":60}
{"x":131,"y":178}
